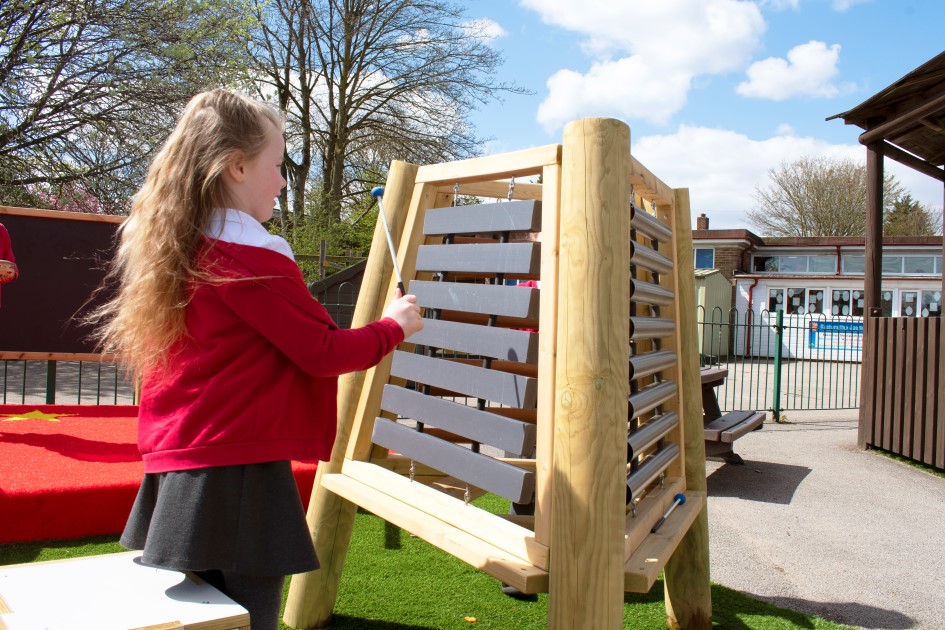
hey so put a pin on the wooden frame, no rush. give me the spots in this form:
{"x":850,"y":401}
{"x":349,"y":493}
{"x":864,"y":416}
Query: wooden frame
{"x":582,"y":373}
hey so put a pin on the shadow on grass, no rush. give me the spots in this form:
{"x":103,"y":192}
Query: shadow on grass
{"x":735,"y":610}
{"x":344,"y":622}
{"x":852,"y":613}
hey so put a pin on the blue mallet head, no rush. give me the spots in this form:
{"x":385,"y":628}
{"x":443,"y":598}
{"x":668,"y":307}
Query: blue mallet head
{"x":377,"y":192}
{"x":681,"y":498}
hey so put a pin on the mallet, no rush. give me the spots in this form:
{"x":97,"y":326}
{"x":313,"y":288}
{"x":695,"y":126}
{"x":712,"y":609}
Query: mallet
{"x":378,"y":193}
{"x":680,"y":499}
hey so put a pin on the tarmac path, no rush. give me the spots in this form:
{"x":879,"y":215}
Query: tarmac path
{"x":814,"y":524}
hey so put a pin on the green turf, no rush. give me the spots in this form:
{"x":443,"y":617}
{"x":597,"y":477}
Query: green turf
{"x":938,"y":472}
{"x":393,"y":580}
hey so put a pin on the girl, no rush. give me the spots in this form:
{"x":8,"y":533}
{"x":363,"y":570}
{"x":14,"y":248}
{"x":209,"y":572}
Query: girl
{"x":239,"y":364}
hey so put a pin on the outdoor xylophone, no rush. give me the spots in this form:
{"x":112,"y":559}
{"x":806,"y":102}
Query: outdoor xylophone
{"x":575,"y":395}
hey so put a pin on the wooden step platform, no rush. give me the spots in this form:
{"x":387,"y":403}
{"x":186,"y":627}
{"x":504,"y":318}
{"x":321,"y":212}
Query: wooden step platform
{"x":447,"y":524}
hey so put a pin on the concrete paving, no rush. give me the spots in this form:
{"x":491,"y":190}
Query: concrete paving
{"x":812,"y":523}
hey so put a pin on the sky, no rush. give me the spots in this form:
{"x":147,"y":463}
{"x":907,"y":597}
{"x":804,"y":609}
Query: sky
{"x":717,"y":93}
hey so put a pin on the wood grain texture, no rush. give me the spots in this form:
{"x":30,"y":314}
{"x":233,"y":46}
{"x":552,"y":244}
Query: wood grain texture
{"x":330,"y":518}
{"x":586,"y":572}
{"x":687,"y":589}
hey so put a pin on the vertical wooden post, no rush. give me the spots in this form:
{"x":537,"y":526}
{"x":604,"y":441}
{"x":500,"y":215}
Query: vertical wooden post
{"x":687,"y":590}
{"x":312,"y":595}
{"x":872,"y":283}
{"x":591,"y":378}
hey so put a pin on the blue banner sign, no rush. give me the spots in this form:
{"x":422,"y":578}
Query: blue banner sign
{"x":835,"y":335}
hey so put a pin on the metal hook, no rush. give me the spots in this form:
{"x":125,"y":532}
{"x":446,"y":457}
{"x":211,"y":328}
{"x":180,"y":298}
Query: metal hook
{"x":511,"y":188}
{"x":455,"y":194}
{"x":467,"y":497}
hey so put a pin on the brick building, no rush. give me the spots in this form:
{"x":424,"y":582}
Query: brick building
{"x":820,"y":278}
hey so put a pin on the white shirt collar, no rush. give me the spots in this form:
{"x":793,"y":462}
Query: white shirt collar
{"x":235,"y":226}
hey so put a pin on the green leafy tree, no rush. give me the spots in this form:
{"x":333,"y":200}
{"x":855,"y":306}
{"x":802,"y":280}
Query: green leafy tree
{"x":908,"y":217}
{"x":817,"y":196}
{"x":90,"y":88}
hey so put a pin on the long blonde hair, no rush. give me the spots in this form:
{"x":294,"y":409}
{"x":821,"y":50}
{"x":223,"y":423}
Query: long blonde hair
{"x":155,"y":263}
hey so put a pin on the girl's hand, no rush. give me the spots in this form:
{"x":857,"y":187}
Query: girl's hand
{"x":404,"y":311}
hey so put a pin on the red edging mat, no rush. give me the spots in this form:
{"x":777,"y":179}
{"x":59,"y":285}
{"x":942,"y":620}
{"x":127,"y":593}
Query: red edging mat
{"x":68,"y":471}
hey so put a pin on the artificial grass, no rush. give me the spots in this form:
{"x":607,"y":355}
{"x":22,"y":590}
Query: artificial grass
{"x":932,"y":470}
{"x":395,"y":581}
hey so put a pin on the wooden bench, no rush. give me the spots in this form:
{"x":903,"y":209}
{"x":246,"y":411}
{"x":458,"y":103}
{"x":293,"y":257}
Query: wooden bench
{"x":721,"y":430}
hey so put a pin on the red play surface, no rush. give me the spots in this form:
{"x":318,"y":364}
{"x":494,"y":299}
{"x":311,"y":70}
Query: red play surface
{"x":68,"y":471}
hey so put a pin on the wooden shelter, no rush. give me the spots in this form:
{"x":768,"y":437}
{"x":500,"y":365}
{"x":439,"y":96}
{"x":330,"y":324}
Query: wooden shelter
{"x":577,"y":393}
{"x":902,"y":407}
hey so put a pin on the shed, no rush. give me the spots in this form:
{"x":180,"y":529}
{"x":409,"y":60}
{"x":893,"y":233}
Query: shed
{"x":338,"y":292}
{"x":713,"y":312}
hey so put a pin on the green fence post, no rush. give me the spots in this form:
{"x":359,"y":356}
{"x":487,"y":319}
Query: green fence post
{"x":778,"y":339}
{"x":50,"y":382}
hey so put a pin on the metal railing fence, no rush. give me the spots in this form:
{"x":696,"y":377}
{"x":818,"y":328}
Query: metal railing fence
{"x":781,"y":362}
{"x":775,"y":362}
{"x":58,"y":381}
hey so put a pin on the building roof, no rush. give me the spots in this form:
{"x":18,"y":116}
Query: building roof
{"x":811,"y":241}
{"x":909,"y":114}
{"x":705,"y":273}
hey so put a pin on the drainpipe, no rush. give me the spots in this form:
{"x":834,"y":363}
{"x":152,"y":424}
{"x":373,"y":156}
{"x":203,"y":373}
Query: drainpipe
{"x":745,"y":253}
{"x":750,"y":316}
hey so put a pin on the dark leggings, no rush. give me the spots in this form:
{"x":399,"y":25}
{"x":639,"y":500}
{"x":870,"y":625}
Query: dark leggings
{"x":261,"y":595}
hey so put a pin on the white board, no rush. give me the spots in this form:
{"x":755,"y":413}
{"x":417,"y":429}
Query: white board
{"x":110,"y":592}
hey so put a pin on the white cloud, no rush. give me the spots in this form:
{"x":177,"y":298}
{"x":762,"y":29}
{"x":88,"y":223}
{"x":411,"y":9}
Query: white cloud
{"x":841,"y":6}
{"x":723,"y":168}
{"x":780,"y":5}
{"x":626,"y":88}
{"x":810,"y":70}
{"x":669,"y":42}
{"x":485,"y":29}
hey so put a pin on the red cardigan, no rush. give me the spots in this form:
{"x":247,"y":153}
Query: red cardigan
{"x":256,"y":378}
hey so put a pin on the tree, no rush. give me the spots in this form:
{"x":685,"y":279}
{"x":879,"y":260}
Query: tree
{"x":908,"y":217}
{"x":363,"y":82}
{"x":817,"y":196}
{"x":89,"y":88}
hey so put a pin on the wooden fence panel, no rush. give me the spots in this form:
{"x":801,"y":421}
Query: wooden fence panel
{"x":904,"y":409}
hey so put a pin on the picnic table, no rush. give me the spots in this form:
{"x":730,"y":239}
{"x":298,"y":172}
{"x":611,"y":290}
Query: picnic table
{"x":722,"y":429}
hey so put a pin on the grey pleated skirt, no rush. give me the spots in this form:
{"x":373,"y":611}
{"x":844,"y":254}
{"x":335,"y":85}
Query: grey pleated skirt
{"x":247,"y":519}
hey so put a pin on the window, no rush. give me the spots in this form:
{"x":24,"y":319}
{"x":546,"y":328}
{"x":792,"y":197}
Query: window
{"x":931,"y":304}
{"x":815,"y":301}
{"x":886,"y":302}
{"x":775,"y":300}
{"x":765,"y":263}
{"x":822,"y":264}
{"x":858,"y":307}
{"x":892,"y":265}
{"x":918,"y":264}
{"x":704,"y":257}
{"x":841,"y":302}
{"x":795,"y":264}
{"x":908,"y":303}
{"x":853,"y":263}
{"x":795,"y":302}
